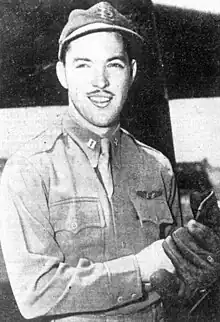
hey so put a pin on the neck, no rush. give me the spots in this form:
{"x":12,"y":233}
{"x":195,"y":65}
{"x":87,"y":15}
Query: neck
{"x":100,"y":131}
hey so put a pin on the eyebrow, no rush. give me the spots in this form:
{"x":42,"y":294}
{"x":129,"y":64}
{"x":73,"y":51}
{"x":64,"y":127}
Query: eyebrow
{"x":119,"y":57}
{"x":80,"y":59}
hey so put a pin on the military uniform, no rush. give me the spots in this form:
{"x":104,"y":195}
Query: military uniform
{"x":69,"y":248}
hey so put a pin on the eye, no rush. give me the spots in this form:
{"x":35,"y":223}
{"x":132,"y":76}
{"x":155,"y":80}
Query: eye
{"x":82,"y":65}
{"x":117,"y":64}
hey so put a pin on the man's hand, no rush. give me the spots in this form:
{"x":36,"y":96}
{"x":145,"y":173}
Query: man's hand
{"x":153,"y":258}
{"x":158,"y":272}
{"x":195,"y":252}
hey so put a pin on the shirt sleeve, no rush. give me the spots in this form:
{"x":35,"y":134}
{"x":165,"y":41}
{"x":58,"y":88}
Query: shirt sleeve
{"x":42,"y":283}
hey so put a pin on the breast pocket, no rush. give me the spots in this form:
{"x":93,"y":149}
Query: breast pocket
{"x":79,"y":226}
{"x":156,"y":210}
{"x":154,"y":214}
{"x":77,"y":214}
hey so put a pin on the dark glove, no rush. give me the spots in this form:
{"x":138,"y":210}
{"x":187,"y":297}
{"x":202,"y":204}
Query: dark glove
{"x":184,"y":249}
{"x":195,"y":252}
{"x":167,"y":285}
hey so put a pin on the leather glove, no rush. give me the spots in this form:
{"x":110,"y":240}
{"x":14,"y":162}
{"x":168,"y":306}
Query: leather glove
{"x":195,"y":252}
{"x":167,"y":285}
{"x":205,"y":209}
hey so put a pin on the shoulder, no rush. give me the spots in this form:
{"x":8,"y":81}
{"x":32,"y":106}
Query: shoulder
{"x":42,"y":142}
{"x":31,"y":155}
{"x":150,"y":154}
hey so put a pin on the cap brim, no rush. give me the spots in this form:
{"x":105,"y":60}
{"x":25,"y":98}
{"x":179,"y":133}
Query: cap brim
{"x":134,"y":38}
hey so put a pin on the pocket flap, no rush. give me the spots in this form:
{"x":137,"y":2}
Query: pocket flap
{"x":152,"y":209}
{"x":77,"y":214}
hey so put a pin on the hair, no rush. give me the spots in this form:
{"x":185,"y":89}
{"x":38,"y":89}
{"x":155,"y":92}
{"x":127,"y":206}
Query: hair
{"x":127,"y":47}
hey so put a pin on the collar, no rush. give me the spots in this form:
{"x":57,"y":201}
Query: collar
{"x":90,"y":142}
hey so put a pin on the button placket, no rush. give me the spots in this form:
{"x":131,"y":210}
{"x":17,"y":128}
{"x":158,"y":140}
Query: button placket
{"x":74,"y":225}
{"x":120,"y":299}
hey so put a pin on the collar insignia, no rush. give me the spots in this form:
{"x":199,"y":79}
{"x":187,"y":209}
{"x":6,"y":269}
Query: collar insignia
{"x":91,"y":144}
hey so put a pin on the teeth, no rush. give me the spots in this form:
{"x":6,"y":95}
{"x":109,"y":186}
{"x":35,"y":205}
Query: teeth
{"x":100,"y":100}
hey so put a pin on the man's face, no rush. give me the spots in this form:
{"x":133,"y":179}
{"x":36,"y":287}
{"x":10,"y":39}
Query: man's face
{"x":98,"y":75}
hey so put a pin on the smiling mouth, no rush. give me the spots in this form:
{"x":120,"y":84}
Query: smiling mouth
{"x":100,"y":101}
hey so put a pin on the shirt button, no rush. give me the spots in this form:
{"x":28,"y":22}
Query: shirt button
{"x":133,"y":296}
{"x":210,"y":259}
{"x":120,"y":299}
{"x":74,"y":225}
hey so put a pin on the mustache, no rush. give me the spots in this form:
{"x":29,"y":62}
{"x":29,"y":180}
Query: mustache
{"x":102,"y":92}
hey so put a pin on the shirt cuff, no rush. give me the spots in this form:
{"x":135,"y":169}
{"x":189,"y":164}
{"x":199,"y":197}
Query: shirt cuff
{"x":124,"y":280}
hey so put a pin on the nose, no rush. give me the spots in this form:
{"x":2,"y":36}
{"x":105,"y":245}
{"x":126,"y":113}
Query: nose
{"x":100,"y":78}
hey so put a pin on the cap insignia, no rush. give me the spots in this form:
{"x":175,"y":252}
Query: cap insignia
{"x":105,"y":11}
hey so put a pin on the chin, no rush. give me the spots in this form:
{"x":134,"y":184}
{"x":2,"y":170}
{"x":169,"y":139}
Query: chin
{"x":102,"y":125}
{"x":107,"y":122}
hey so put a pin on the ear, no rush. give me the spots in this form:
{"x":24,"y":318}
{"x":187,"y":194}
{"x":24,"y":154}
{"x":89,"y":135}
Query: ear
{"x":133,"y":70}
{"x":61,"y":74}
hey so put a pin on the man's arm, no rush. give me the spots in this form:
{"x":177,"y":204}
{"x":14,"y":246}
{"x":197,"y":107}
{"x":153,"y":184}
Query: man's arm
{"x":42,"y":282}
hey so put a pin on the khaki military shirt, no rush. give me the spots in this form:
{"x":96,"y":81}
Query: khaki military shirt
{"x":69,"y":249}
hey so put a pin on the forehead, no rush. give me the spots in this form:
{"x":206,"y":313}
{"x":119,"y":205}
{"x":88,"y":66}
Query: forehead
{"x":102,"y":43}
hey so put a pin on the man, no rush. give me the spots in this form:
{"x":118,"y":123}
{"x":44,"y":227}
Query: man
{"x":85,"y":205}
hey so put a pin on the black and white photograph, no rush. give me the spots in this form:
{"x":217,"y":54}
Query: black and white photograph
{"x":109,"y":161}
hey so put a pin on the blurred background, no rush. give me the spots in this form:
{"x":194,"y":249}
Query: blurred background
{"x":174,"y":105}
